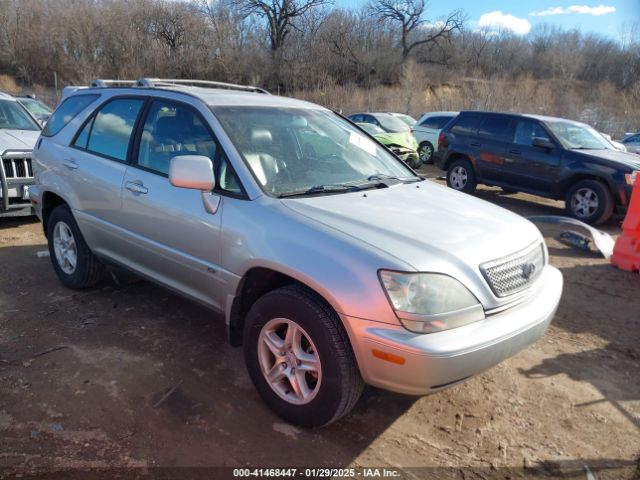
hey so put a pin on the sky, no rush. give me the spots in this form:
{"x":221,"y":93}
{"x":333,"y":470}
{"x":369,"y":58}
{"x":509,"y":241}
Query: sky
{"x":612,"y":18}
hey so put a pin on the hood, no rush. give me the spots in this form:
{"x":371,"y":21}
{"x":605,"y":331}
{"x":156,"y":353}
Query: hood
{"x":404,"y":139}
{"x":627,"y":159}
{"x":18,"y":139}
{"x":425,"y":225}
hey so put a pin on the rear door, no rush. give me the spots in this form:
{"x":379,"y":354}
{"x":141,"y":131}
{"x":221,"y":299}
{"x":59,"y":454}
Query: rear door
{"x":95,"y":166}
{"x":529,"y":167}
{"x":429,"y":128}
{"x":171,"y":237}
{"x":491,"y":143}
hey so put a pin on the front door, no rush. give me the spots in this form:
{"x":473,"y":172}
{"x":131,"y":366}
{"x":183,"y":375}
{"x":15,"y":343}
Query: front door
{"x":173,"y":239}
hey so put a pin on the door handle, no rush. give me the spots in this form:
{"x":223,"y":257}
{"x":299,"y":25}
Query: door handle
{"x":515,"y":152}
{"x":71,"y":164}
{"x":136,"y":187}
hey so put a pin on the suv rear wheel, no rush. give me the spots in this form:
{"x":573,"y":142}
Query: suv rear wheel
{"x":461,"y":177}
{"x":589,"y":201}
{"x":299,"y":357}
{"x":76,"y":266}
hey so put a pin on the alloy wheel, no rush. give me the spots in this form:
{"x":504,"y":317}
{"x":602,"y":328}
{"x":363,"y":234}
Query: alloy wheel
{"x":65,"y":248}
{"x":584,"y":202}
{"x":458,"y":177}
{"x":289,"y":361}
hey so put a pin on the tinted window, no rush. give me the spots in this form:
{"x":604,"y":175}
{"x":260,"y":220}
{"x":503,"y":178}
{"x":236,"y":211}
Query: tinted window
{"x":526,"y":131}
{"x":435,"y":122}
{"x":83,"y":136}
{"x":632,"y":139}
{"x":355,"y":118}
{"x":71,"y":107}
{"x":466,"y":125}
{"x":494,"y":128}
{"x":171,"y":130}
{"x":112,"y":127}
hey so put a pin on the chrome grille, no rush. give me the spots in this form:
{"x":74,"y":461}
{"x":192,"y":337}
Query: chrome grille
{"x":516,"y":272}
{"x":17,"y":168}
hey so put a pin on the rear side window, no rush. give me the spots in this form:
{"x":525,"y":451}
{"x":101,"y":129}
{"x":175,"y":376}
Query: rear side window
{"x":109,"y":130}
{"x":466,"y":125}
{"x":495,"y":128}
{"x":435,"y":122}
{"x":66,"y":112}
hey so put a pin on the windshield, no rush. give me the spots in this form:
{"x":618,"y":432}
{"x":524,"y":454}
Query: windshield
{"x":577,"y":136}
{"x":391,"y":123}
{"x":35,"y":107}
{"x":13,"y":117}
{"x":295,"y":151}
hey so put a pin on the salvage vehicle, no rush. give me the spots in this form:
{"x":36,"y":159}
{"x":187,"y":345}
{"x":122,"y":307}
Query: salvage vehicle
{"x":332,"y":269}
{"x":427,"y":130}
{"x":546,"y":156}
{"x":399,"y":133}
{"x":402,"y":145}
{"x":36,"y":108}
{"x":18,"y":134}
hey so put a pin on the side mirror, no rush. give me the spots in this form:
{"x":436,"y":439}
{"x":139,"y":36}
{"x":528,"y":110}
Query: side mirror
{"x":543,"y":143}
{"x":192,"y":171}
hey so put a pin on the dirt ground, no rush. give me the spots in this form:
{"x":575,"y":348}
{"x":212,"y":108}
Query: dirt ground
{"x":567,"y":407}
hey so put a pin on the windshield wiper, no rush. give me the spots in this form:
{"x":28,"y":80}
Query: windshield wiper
{"x":380,"y":176}
{"x":338,"y":188}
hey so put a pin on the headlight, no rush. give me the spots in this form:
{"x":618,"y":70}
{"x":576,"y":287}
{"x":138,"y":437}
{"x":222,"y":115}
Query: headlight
{"x":630,"y":178}
{"x":430,"y":302}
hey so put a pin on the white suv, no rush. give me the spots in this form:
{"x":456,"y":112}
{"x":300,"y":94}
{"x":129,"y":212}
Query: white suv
{"x":18,"y":134}
{"x":333,"y":264}
{"x":426,"y":131}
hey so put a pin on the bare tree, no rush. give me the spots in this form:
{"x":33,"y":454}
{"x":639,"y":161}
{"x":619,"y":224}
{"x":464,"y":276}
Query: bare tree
{"x":281,"y":16}
{"x":414,"y":29}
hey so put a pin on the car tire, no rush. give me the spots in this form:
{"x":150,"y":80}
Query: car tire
{"x":461,"y":177}
{"x":74,"y":263}
{"x":589,"y":201}
{"x":425,"y":152}
{"x":330,"y":384}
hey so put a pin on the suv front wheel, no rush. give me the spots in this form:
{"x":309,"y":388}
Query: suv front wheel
{"x":461,"y":177}
{"x":589,"y":201}
{"x":74,"y":263}
{"x":299,"y":357}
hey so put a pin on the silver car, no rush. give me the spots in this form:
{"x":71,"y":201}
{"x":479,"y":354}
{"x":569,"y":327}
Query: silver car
{"x":333,"y":263}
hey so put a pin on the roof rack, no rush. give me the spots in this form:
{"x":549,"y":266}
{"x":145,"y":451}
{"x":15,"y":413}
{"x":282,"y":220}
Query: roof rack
{"x":169,"y":82}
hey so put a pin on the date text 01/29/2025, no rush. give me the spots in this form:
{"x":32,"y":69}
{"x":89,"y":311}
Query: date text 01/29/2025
{"x":316,"y":472}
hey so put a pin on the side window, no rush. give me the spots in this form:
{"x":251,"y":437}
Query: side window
{"x":171,"y":130}
{"x":369,"y":119}
{"x":526,"y":131}
{"x":66,"y":112}
{"x":495,"y":128}
{"x":109,"y":131}
{"x":356,"y":118}
{"x":466,"y":125}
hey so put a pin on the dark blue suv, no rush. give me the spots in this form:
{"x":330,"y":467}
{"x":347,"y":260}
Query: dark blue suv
{"x":551,"y":157}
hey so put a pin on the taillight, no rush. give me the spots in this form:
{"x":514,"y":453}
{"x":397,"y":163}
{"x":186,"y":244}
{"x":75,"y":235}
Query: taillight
{"x":440,"y":139}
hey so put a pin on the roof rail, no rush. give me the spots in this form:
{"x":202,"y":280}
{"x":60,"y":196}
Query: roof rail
{"x":101,"y":83}
{"x":164,"y":82}
{"x":169,"y":82}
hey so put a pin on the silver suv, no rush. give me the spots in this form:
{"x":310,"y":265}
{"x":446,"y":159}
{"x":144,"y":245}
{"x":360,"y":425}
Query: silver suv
{"x":334,"y":264}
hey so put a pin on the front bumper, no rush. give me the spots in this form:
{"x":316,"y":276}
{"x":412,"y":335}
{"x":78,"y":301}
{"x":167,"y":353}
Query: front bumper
{"x":426,"y":363}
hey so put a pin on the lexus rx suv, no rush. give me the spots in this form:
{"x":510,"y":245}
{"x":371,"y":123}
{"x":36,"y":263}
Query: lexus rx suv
{"x":551,"y":157}
{"x":333,"y":264}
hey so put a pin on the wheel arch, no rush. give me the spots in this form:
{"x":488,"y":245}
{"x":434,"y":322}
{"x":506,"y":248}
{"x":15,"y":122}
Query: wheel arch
{"x":255,"y":283}
{"x":568,"y":183}
{"x":457,"y":156}
{"x":49,"y":202}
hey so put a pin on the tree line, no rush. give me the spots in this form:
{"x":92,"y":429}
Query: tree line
{"x":296,"y":45}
